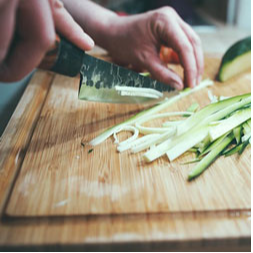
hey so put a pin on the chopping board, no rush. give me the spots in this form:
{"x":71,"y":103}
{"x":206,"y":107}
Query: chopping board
{"x":38,"y":150}
{"x":60,"y":177}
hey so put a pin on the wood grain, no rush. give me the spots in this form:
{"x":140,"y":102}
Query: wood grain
{"x":60,"y":177}
{"x":225,"y":230}
{"x":219,"y":231}
{"x":18,"y":133}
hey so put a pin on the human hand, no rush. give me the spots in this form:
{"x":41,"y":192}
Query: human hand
{"x":137,"y":40}
{"x":27,"y":29}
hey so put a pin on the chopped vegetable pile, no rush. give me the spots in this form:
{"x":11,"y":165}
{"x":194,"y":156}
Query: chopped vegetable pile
{"x":223,"y":127}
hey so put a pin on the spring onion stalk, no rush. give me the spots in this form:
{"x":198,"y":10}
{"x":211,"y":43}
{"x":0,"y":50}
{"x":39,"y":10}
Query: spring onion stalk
{"x":154,"y":141}
{"x":145,"y":74}
{"x":174,"y":148}
{"x":126,"y":128}
{"x":247,"y":127}
{"x":233,"y":150}
{"x":135,"y":91}
{"x":137,"y":142}
{"x":149,"y":130}
{"x":203,"y":144}
{"x":207,"y":132}
{"x":245,"y":144}
{"x":210,"y":157}
{"x":234,"y":102}
{"x":193,"y":108}
{"x":238,"y":133}
{"x":212,"y":98}
{"x":139,"y":94}
{"x":185,"y":141}
{"x":181,"y":145}
{"x":230,"y":123}
{"x":196,"y":160}
{"x":246,"y":137}
{"x":212,"y":146}
{"x":151,"y":111}
{"x":172,"y":123}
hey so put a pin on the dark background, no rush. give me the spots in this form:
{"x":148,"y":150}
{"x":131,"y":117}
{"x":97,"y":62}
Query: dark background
{"x":187,"y":9}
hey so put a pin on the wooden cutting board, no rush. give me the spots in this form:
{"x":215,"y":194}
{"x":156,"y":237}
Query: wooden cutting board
{"x":45,"y":177}
{"x":61,"y":177}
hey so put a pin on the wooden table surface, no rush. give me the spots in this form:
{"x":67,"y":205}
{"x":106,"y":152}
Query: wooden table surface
{"x":29,"y":223}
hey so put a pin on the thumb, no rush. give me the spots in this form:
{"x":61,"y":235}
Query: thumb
{"x":66,"y":26}
{"x":163,"y":74}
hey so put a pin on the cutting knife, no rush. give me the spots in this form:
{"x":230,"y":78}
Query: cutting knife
{"x":98,"y":78}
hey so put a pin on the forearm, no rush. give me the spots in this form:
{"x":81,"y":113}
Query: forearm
{"x":94,"y":19}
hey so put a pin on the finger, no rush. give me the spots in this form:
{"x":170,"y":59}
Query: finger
{"x":197,"y":47}
{"x":7,"y":25}
{"x":181,"y":44}
{"x":67,"y":27}
{"x":35,"y":30}
{"x":160,"y":72}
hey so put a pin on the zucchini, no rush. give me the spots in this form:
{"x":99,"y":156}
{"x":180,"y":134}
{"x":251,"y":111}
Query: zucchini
{"x":210,"y":157}
{"x":236,"y":60}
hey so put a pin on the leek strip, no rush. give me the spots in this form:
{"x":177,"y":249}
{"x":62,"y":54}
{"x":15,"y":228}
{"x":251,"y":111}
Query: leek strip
{"x":245,"y":144}
{"x":238,"y":133}
{"x":246,"y":137}
{"x":233,"y":150}
{"x":126,"y":128}
{"x":137,"y":142}
{"x":138,"y":90}
{"x":145,"y":145}
{"x":152,"y":130}
{"x":155,"y":141}
{"x":145,"y":74}
{"x":212,"y":98}
{"x":192,"y":161}
{"x":155,"y":109}
{"x":193,"y":108}
{"x":247,"y":126}
{"x":213,"y":145}
{"x":135,"y":94}
{"x":230,"y":123}
{"x":202,"y":126}
{"x":181,"y":145}
{"x":210,"y":158}
{"x":148,"y":130}
{"x":185,"y":141}
{"x":233,"y":103}
{"x":172,"y":123}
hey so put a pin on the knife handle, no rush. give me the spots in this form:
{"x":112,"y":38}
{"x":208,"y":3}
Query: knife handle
{"x":63,"y":58}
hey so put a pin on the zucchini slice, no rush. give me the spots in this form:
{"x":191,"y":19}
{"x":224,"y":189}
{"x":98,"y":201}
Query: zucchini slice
{"x":236,"y":60}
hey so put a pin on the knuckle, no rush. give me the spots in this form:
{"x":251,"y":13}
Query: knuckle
{"x":196,"y":41}
{"x":168,"y":10}
{"x":164,"y":13}
{"x":186,"y":47}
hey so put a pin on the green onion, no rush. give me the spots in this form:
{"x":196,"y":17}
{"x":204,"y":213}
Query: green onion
{"x":209,"y":132}
{"x":146,"y":113}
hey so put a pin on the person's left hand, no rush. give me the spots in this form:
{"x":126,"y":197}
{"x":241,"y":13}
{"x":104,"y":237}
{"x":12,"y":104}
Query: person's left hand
{"x":28,"y":28}
{"x":137,"y":40}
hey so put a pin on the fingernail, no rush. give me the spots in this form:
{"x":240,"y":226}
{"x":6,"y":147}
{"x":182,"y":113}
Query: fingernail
{"x":89,"y":40}
{"x":178,"y":86}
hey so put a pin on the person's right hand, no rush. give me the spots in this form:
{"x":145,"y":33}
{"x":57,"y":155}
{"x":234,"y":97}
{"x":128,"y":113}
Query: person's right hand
{"x":137,"y":40}
{"x":27,"y":29}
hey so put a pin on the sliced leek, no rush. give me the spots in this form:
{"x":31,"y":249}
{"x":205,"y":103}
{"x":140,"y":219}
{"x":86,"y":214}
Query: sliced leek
{"x":208,"y":132}
{"x":151,"y":111}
